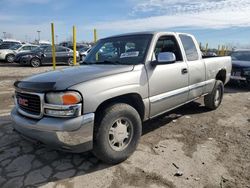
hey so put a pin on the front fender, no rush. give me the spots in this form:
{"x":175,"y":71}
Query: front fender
{"x":96,"y":91}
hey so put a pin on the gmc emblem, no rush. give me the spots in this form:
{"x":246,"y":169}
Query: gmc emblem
{"x":23,"y":102}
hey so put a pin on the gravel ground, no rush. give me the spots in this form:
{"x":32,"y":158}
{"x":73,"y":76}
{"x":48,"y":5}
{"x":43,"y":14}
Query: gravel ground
{"x":188,"y":147}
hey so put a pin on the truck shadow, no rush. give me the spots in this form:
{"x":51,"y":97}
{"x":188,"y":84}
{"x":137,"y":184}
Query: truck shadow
{"x":164,"y":119}
{"x":24,"y":164}
{"x":233,"y":87}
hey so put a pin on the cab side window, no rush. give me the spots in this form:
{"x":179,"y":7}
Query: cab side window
{"x":168,"y":44}
{"x":189,"y":47}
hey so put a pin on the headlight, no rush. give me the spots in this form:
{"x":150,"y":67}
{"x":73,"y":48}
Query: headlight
{"x":63,"y":104}
{"x":63,"y":98}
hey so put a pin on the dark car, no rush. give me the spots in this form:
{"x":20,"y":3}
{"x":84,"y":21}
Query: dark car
{"x":241,"y":66}
{"x":69,"y":44}
{"x":43,"y":55}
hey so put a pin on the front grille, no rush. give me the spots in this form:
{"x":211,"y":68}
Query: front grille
{"x":29,"y":103}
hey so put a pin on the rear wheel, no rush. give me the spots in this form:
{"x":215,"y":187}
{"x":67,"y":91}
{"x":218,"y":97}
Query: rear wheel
{"x":213,"y":100}
{"x":117,"y":133}
{"x":35,"y":62}
{"x":70,"y":61}
{"x":10,"y":58}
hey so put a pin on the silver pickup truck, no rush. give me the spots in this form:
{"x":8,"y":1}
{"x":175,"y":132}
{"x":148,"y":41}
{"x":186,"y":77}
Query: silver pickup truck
{"x":124,"y":81}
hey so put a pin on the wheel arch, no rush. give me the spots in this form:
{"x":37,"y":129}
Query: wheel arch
{"x":36,"y":57}
{"x":8,"y":55}
{"x":132,"y":99}
{"x":221,"y":75}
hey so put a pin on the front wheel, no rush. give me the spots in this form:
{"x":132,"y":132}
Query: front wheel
{"x":117,"y":133}
{"x":213,"y":100}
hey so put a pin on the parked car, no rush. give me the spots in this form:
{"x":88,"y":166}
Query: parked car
{"x":84,"y":52}
{"x":101,"y":105}
{"x":10,"y":41}
{"x":43,"y":55}
{"x":69,"y":44}
{"x":44,"y":42}
{"x":241,"y":66}
{"x":8,"y":44}
{"x":9,"y":54}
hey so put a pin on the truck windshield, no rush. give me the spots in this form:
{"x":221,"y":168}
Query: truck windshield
{"x":241,"y":55}
{"x":124,"y":50}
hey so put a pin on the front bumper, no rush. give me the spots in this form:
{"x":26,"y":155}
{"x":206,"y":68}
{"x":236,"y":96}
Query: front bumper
{"x":68,"y":134}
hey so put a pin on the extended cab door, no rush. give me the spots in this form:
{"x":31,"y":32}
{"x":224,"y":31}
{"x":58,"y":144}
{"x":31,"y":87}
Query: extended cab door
{"x":196,"y":66}
{"x":168,"y":83}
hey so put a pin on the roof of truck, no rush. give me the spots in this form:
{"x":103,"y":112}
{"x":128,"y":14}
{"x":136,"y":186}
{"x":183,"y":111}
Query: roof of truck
{"x":145,"y":33}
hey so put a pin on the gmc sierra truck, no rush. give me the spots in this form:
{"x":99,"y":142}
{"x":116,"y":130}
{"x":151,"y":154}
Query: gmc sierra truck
{"x":124,"y":81}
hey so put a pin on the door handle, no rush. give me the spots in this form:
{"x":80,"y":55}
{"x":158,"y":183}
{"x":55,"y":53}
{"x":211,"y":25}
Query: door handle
{"x":184,"y":71}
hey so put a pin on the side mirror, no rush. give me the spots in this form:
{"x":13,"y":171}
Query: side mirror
{"x":165,"y":58}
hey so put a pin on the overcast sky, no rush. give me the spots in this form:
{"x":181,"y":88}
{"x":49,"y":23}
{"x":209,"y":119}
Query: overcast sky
{"x":212,"y":21}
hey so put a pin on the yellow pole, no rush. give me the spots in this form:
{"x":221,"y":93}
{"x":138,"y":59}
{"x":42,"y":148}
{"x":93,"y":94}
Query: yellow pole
{"x":95,"y":40}
{"x":226,"y":51}
{"x":206,"y":48}
{"x":223,"y":50}
{"x":74,"y":44}
{"x":218,"y":52}
{"x":95,"y":36}
{"x":53,"y":47}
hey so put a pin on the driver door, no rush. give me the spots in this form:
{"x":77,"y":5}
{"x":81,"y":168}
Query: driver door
{"x":168,"y":83}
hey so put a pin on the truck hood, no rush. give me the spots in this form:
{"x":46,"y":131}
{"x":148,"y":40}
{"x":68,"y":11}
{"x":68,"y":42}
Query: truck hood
{"x":241,"y":64}
{"x":63,"y":79}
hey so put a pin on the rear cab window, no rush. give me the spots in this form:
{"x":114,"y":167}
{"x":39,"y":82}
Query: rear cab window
{"x":189,"y":47}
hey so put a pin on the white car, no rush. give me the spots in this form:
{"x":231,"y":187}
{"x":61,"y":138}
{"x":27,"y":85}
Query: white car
{"x":84,"y":53}
{"x":9,"y":54}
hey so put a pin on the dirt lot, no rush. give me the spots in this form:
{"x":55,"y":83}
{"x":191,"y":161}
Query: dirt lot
{"x":207,"y":149}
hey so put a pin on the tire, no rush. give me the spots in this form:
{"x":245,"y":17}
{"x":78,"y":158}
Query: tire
{"x":35,"y":62}
{"x":120,"y":123}
{"x":70,"y":61}
{"x":10,"y":58}
{"x":213,"y":100}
